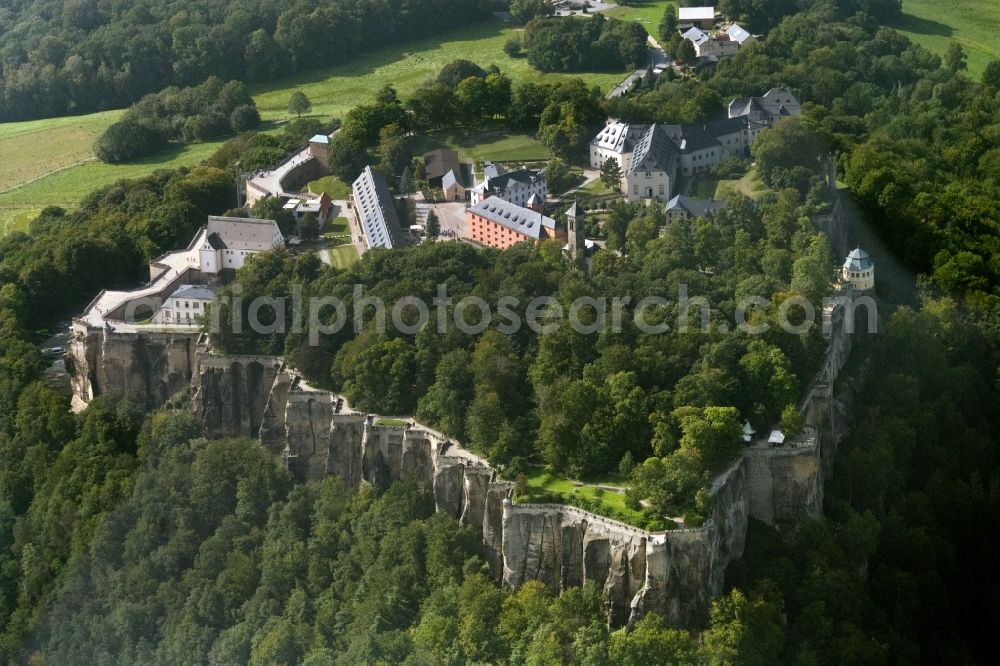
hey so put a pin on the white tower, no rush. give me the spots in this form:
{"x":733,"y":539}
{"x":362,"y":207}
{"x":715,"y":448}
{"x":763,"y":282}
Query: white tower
{"x":859,"y":270}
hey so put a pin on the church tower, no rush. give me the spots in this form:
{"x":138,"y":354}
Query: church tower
{"x":574,"y":229}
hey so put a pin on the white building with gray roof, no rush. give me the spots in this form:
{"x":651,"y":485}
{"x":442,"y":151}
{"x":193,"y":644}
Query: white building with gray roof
{"x":185,"y":305}
{"x":376,"y":211}
{"x":226,"y":242}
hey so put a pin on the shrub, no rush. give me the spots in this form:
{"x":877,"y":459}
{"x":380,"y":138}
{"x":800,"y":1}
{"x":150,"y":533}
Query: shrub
{"x":244,"y":118}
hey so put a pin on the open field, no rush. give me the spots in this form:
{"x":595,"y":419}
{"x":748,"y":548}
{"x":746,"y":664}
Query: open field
{"x":59,"y":146}
{"x":335,"y":90}
{"x":477,"y":145}
{"x":649,"y":13}
{"x":975,"y":24}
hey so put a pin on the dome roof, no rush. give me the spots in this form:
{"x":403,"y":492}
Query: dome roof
{"x":858,"y":260}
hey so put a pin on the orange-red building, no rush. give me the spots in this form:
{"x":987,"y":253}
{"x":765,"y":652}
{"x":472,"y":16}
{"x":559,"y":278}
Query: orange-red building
{"x":499,"y":223}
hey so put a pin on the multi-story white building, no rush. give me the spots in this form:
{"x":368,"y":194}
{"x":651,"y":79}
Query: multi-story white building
{"x":652,"y":169}
{"x":515,"y":186}
{"x":696,"y":147}
{"x":185,"y":305}
{"x":226,"y":242}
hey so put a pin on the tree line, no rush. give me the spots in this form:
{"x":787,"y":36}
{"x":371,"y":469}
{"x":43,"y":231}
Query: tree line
{"x":199,"y":113}
{"x":81,"y":56}
{"x":567,"y":44}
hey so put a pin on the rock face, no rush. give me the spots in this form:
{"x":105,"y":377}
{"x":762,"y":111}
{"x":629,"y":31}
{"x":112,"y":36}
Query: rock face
{"x":148,"y":367}
{"x":674,"y":573}
{"x":231,"y":392}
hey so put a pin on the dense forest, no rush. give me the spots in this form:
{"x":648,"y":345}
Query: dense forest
{"x":126,"y":538}
{"x":76,"y":56}
{"x":569,"y":44}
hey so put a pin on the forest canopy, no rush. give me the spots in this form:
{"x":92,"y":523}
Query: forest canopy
{"x":78,"y":56}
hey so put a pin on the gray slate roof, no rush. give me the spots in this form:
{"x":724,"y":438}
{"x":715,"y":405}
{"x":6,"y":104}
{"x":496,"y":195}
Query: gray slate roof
{"x":695,"y":207}
{"x":439,"y":162}
{"x":655,"y":151}
{"x":502,"y":182}
{"x":376,"y":210}
{"x":194,"y":292}
{"x":449,"y":179}
{"x":243,"y":233}
{"x":858,"y":260}
{"x":522,"y":220}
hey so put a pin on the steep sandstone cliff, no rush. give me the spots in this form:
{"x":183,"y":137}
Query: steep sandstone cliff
{"x":147,"y":367}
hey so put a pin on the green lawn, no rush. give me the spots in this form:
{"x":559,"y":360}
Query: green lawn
{"x":596,"y":188}
{"x":648,"y":13}
{"x":750,"y":185}
{"x":482,"y":144}
{"x":397,"y":423}
{"x":975,"y":24}
{"x":335,"y":187}
{"x":335,"y":90}
{"x":16,"y":219}
{"x":343,"y":256}
{"x":338,"y":227}
{"x":542,"y":481}
{"x":68,"y":186}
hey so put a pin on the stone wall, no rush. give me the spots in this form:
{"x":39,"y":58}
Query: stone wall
{"x":675,"y":573}
{"x":148,"y":367}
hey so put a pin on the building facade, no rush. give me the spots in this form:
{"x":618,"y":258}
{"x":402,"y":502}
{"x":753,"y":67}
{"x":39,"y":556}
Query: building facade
{"x":375,"y":210}
{"x":226,"y":242}
{"x":499,"y":223}
{"x":515,"y":187}
{"x":185,"y":305}
{"x":859,"y":270}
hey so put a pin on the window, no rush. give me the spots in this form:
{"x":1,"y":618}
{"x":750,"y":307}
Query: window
{"x":662,"y":190}
{"x":635,"y":189}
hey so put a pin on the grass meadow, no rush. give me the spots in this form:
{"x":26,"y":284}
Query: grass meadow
{"x":975,"y":24}
{"x":50,"y":162}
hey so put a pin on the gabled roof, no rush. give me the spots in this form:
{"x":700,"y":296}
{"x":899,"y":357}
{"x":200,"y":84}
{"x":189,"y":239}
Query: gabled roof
{"x":522,"y":220}
{"x":738,"y":34}
{"x":449,"y":179}
{"x":655,"y":151}
{"x":775,"y":102}
{"x":439,"y":162}
{"x":697,"y":36}
{"x":858,"y":260}
{"x":490,"y":171}
{"x":619,"y":137}
{"x":194,"y":292}
{"x":244,"y":233}
{"x":695,"y":207}
{"x":376,"y":210}
{"x":503,"y":182}
{"x":696,"y":13}
{"x":215,"y":242}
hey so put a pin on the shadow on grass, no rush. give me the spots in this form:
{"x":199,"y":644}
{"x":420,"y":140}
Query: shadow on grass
{"x":361,"y":64}
{"x":923,"y":26}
